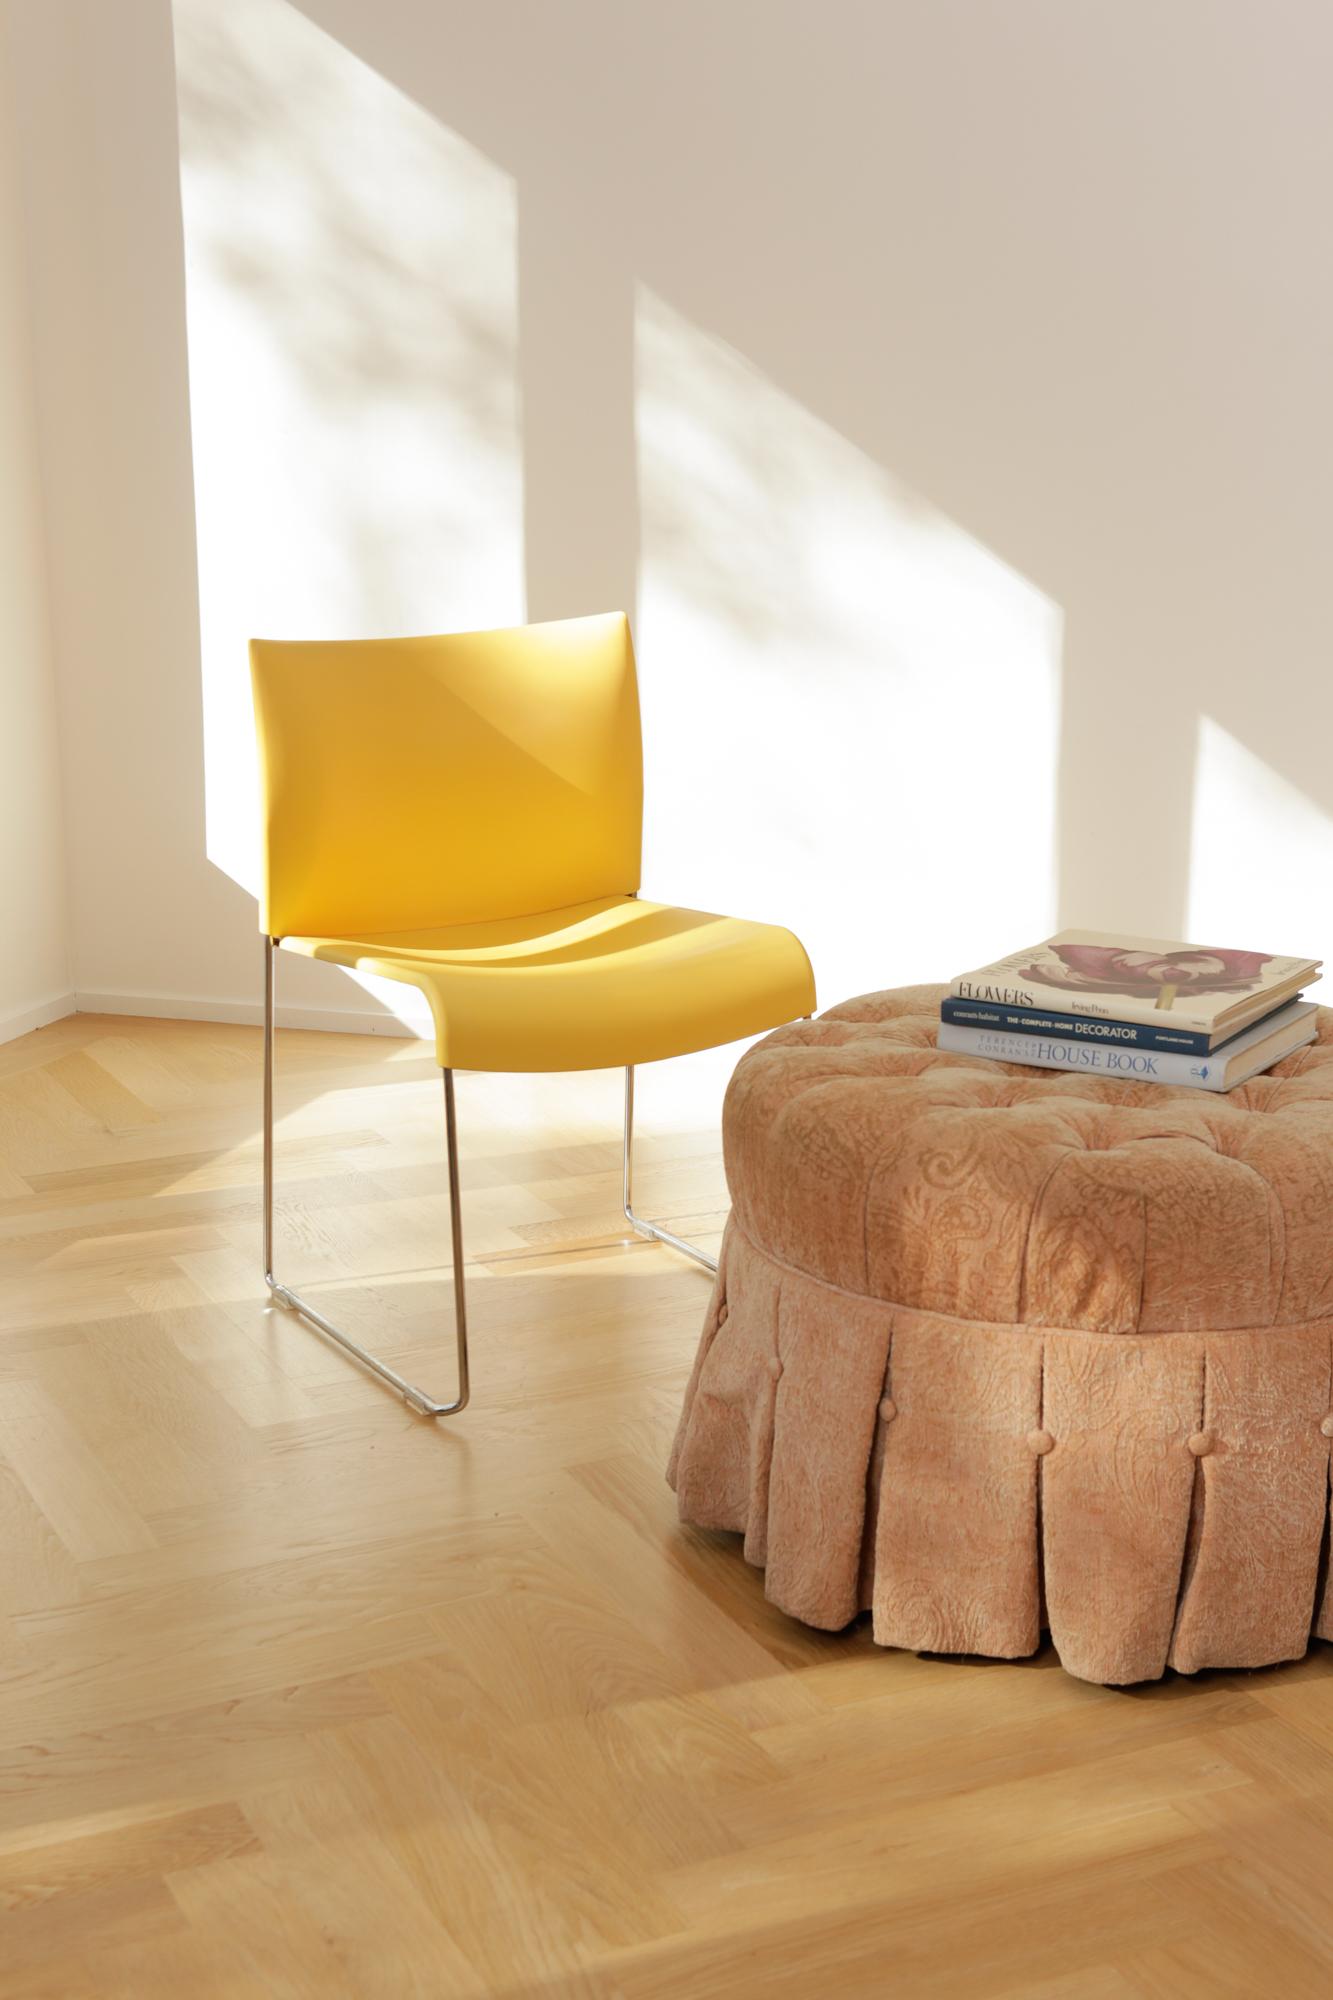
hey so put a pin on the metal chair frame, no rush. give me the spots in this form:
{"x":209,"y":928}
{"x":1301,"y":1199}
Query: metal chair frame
{"x":418,"y":1399}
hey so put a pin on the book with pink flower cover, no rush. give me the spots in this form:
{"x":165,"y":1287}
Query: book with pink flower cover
{"x":1211,"y":989}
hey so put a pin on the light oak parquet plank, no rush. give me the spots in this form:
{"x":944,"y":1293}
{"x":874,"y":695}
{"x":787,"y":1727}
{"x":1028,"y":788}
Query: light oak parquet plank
{"x":675,"y":1757}
{"x":934,"y":1945}
{"x":341,"y":1891}
{"x":139,"y":1849}
{"x":912,"y":1753}
{"x":134,"y":1912}
{"x":39,"y":1049}
{"x":1090,"y":1982}
{"x":1234,"y":1953}
{"x":910,"y":1842}
{"x":56,"y":1784}
{"x":488,"y":1846}
{"x":38,"y":1569}
{"x":84,"y":1075}
{"x":88,"y":1511}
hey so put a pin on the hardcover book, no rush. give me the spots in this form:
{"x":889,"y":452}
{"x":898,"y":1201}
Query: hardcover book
{"x":1161,"y":1034}
{"x":1206,"y":989}
{"x":1243,"y":1057}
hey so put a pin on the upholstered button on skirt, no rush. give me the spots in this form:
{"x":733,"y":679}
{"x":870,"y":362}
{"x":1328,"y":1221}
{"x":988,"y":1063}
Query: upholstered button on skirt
{"x":994,"y":1351}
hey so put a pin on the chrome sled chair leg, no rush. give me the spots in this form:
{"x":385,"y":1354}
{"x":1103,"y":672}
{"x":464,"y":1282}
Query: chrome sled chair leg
{"x":416,"y":1399}
{"x":638,"y":1222}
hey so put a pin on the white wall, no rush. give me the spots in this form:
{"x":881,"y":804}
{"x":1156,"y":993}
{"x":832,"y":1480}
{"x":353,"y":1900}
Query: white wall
{"x":943,"y":385}
{"x":35,"y":984}
{"x":154,"y":924}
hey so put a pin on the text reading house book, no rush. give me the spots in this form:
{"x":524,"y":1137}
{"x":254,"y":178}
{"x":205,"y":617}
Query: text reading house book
{"x":1133,"y":1007}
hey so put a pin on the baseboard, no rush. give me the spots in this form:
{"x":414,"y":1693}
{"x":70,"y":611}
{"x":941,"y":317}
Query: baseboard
{"x":248,"y":1013}
{"x":40,"y":1016}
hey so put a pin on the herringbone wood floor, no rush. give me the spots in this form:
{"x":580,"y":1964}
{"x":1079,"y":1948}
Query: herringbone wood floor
{"x":303,"y":1696}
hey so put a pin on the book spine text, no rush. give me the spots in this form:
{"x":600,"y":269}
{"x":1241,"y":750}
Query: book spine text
{"x":1073,"y":1027}
{"x":1089,"y":1058}
{"x":993,"y":991}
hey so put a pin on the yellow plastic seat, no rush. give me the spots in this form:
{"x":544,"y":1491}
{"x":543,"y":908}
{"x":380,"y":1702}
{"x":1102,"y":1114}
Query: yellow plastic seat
{"x":464,"y":813}
{"x":598,"y":986}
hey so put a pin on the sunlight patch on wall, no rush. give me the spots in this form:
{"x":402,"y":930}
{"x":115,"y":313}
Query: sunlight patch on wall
{"x":352,"y":307}
{"x":1261,"y":854}
{"x":851,"y":707}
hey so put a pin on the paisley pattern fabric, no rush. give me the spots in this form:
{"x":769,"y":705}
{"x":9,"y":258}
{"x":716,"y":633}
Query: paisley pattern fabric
{"x":994,"y":1351}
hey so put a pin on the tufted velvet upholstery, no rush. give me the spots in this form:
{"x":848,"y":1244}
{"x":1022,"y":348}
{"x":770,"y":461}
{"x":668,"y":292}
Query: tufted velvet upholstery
{"x":993,"y":1350}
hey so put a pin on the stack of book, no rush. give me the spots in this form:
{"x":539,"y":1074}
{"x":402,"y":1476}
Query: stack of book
{"x":1134,"y":1008}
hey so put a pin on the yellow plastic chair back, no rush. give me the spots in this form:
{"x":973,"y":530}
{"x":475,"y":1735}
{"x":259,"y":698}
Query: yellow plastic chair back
{"x":414,"y":783}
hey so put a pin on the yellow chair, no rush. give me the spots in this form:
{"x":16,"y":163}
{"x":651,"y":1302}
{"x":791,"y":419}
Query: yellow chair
{"x":464,"y":813}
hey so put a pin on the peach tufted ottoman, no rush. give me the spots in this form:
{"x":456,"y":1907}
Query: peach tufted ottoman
{"x":993,"y":1350}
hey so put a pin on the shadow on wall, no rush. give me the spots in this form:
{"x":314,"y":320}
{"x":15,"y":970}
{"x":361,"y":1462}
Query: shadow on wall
{"x":352,"y":366}
{"x":1258,"y":843}
{"x":834,"y":675}
{"x":808,"y":629}
{"x":512,"y":297}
